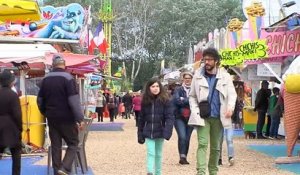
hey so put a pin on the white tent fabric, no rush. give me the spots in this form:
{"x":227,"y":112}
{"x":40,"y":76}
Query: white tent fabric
{"x":25,"y":52}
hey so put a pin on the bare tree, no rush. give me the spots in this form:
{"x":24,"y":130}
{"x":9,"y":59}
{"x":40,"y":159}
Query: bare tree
{"x":130,"y":33}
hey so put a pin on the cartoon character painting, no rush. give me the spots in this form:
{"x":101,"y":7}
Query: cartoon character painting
{"x":58,"y":23}
{"x":67,"y":28}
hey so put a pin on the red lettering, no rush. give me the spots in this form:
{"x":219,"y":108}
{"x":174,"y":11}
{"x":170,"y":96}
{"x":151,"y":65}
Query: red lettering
{"x":290,"y":39}
{"x":283,"y":43}
{"x":297,"y":43}
{"x":269,"y":41}
{"x":276,"y":44}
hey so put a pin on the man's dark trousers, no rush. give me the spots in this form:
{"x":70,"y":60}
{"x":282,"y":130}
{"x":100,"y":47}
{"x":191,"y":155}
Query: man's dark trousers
{"x":16,"y":157}
{"x":127,"y":112}
{"x":68,"y":132}
{"x":260,"y":122}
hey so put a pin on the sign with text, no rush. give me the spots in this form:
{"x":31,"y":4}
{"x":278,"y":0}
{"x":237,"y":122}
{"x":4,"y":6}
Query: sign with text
{"x":248,"y":50}
{"x":263,"y":71}
{"x":252,"y":74}
{"x":282,"y":43}
{"x":270,"y":60}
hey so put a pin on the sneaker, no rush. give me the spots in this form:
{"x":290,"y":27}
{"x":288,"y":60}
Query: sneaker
{"x":62,"y":172}
{"x":231,"y":161}
{"x":183,"y":161}
{"x":220,"y":162}
{"x":272,"y":138}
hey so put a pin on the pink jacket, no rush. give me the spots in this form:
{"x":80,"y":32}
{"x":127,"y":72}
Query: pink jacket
{"x":137,"y":101}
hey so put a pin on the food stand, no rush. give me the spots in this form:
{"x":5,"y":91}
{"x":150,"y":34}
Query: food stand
{"x":29,"y":36}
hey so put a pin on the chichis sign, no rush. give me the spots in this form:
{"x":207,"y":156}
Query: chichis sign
{"x":282,"y":43}
{"x":248,"y":50}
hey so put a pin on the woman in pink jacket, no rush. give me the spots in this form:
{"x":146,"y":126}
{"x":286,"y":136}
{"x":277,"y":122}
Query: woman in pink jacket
{"x":136,"y":101}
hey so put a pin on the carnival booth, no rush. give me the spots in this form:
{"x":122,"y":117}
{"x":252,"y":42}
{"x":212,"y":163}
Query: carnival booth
{"x":270,"y":53}
{"x":29,"y":36}
{"x":38,"y":60}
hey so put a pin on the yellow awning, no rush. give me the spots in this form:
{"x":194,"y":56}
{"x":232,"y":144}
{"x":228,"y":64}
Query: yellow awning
{"x":21,"y":10}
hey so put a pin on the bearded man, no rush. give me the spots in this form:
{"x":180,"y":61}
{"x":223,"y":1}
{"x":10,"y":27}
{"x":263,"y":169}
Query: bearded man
{"x":212,"y":100}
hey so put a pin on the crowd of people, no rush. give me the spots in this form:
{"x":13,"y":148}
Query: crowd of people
{"x":205,"y":102}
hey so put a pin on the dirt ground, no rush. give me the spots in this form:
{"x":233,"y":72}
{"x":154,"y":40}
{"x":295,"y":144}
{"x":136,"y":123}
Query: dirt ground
{"x":117,"y":152}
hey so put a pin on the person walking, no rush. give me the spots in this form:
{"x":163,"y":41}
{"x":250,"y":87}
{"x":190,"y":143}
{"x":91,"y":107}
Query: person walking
{"x":276,"y":110}
{"x":261,"y":106}
{"x":11,"y":120}
{"x":182,"y":115}
{"x":118,"y":102}
{"x":155,"y":123}
{"x":101,"y":102}
{"x":228,"y":134}
{"x":59,"y":102}
{"x":212,"y":101}
{"x":127,"y":100}
{"x":111,"y":105}
{"x":137,"y":101}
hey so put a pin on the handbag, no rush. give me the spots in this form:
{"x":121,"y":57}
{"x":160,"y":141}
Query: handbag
{"x":204,"y":106}
{"x":186,"y":112}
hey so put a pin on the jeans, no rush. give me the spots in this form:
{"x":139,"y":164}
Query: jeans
{"x":260,"y":122}
{"x":211,"y":131}
{"x":127,"y":112}
{"x":184,"y":132}
{"x":269,"y":121}
{"x":228,"y":133}
{"x":274,"y":125}
{"x":154,"y":155}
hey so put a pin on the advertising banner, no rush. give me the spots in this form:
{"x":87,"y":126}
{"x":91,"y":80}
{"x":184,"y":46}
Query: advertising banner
{"x":248,"y":50}
{"x":285,"y":43}
{"x":57,"y":23}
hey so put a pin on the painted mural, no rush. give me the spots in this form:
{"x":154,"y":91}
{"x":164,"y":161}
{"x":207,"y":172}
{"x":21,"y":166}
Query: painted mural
{"x":57,"y":23}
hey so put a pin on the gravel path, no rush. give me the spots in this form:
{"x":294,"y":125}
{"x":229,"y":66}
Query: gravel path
{"x":118,"y":153}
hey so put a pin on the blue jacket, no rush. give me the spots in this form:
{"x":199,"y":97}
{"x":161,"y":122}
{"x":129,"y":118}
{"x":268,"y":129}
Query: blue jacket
{"x":156,"y":121}
{"x":179,"y":105}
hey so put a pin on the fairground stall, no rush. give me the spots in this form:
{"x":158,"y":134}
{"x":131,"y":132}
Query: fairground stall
{"x":29,"y":36}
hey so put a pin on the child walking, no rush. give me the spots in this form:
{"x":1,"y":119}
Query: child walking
{"x":155,"y":124}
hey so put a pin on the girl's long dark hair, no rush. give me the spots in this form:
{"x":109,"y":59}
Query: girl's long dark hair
{"x":149,"y":98}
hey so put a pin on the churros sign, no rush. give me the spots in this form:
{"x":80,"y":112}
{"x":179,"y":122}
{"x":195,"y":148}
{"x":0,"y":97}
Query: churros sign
{"x":248,"y":50}
{"x":282,"y":43}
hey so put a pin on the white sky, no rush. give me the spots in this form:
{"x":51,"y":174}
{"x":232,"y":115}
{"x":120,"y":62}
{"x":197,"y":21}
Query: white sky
{"x":272,"y":9}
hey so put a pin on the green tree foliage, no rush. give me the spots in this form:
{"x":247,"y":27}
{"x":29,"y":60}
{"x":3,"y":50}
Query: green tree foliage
{"x":147,"y":31}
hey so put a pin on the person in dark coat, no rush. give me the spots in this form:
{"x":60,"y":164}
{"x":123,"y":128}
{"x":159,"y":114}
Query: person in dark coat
{"x":58,"y":100}
{"x":155,"y":123}
{"x":11,"y":120}
{"x":127,"y":100}
{"x":261,"y":106}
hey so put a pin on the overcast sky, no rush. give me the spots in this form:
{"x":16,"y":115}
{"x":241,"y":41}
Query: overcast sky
{"x":272,"y":8}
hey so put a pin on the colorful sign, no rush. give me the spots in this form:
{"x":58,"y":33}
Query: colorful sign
{"x":58,"y":23}
{"x":282,"y":43}
{"x":269,"y":60}
{"x":248,"y":50}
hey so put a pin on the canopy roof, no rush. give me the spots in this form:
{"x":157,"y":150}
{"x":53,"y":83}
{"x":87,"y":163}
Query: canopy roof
{"x":22,"y":10}
{"x":39,"y":55}
{"x":31,"y":53}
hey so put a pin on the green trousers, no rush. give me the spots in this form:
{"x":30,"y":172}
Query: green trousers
{"x":211,"y":131}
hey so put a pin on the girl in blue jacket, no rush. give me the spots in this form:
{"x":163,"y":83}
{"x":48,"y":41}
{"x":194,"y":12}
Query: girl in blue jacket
{"x":155,"y":124}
